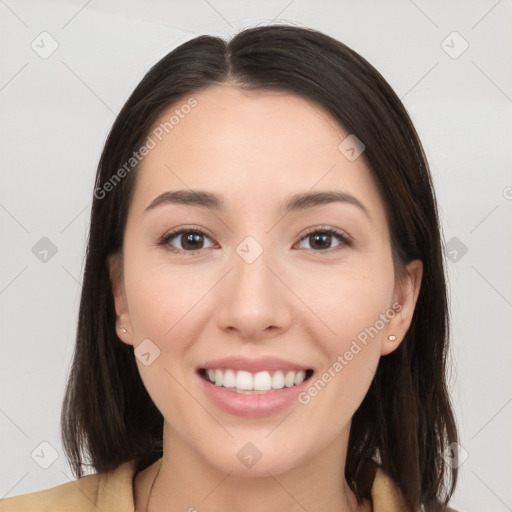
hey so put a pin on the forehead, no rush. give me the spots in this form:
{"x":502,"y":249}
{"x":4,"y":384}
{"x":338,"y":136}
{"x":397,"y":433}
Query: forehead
{"x":259,"y":145}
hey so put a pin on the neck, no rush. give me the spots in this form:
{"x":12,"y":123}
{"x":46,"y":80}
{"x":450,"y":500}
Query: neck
{"x":186,"y":481}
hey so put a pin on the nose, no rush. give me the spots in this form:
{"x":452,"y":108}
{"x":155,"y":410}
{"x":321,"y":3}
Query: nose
{"x":253,"y":301}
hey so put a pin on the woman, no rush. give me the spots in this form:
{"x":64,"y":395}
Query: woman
{"x":263,"y":322}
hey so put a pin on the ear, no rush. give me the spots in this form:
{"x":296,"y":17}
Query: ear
{"x":115,"y":268}
{"x":406,"y":294}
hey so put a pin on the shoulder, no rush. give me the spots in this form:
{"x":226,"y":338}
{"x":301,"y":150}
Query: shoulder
{"x":77,"y":495}
{"x":386,"y":495}
{"x":106,"y":491}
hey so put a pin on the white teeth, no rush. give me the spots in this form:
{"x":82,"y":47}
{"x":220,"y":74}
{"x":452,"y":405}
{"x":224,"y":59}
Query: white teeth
{"x":289,"y":380}
{"x":261,"y":381}
{"x":229,"y":380}
{"x":243,"y":380}
{"x":299,"y":377}
{"x":278,"y":380}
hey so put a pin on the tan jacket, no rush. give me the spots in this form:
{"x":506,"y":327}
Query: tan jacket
{"x":113,"y":492}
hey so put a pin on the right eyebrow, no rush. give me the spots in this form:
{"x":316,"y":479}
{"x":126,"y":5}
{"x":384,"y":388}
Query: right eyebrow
{"x":189,"y":197}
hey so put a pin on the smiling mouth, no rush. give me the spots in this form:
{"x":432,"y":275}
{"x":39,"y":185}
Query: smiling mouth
{"x":244,"y":382}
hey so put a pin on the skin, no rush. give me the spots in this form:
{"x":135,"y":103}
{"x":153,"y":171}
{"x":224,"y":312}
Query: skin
{"x":291,"y":302}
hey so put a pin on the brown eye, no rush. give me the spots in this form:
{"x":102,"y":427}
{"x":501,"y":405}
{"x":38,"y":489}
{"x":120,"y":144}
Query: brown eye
{"x":186,"y":240}
{"x":322,"y":240}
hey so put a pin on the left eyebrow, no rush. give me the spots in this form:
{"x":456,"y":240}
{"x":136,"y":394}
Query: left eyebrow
{"x":216,"y":202}
{"x":312,"y":199}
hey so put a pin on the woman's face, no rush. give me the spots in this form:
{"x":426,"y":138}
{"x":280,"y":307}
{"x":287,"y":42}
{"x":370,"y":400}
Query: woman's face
{"x":244,"y":289}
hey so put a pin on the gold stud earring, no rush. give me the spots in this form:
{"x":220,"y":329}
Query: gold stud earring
{"x":392,"y":337}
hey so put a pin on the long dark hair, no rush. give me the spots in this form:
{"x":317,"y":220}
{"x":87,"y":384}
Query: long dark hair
{"x":406,"y":419}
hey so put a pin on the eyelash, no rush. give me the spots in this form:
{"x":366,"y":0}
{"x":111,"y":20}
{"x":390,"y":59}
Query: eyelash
{"x":343,"y":238}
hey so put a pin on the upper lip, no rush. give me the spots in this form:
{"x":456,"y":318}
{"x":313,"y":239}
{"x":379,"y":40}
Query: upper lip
{"x":252,"y":365}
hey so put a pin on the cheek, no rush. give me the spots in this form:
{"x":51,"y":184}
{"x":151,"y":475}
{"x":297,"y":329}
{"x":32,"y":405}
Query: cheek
{"x":347,"y":300}
{"x":351,"y":353}
{"x":165,"y":307}
{"x":352,"y":308}
{"x":160,"y":299}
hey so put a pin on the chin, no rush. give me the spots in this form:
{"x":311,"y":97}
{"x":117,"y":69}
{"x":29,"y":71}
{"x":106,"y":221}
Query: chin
{"x":247,"y":460}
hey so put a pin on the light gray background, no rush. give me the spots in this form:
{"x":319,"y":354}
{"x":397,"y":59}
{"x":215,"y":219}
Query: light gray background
{"x":57,"y":112}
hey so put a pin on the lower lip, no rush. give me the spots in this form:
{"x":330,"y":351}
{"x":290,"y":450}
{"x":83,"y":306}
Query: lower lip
{"x":252,"y":406}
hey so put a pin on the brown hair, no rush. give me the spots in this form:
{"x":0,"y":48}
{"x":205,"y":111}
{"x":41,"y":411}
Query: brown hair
{"x":406,"y":419}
